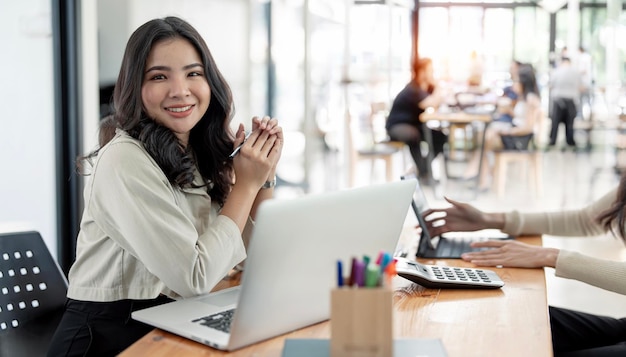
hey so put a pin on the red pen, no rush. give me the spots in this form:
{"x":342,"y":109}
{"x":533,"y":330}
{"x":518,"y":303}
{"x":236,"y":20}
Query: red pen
{"x":352,"y":278}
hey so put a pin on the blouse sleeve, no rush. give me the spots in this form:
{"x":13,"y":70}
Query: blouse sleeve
{"x":134,"y":204}
{"x":580,"y":222}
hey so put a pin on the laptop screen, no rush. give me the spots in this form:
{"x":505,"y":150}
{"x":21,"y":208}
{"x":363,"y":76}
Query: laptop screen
{"x":419,"y":205}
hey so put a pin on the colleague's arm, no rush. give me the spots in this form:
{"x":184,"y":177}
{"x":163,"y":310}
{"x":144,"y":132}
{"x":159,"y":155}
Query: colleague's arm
{"x":602,"y":273}
{"x":512,"y":254}
{"x":465,"y":217}
{"x":570,"y":223}
{"x":459,"y":217}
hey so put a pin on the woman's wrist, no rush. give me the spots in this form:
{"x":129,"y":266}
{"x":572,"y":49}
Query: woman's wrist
{"x":551,"y":257}
{"x":494,"y":220}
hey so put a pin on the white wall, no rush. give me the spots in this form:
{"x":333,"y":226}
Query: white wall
{"x":27,"y":180}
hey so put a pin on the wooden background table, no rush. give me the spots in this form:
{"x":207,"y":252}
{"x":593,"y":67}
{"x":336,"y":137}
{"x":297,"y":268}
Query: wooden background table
{"x":511,"y":321}
{"x":454,"y":119}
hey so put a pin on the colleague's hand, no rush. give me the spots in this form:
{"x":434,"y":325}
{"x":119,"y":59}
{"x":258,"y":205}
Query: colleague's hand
{"x":458,"y":217}
{"x":513,"y":254}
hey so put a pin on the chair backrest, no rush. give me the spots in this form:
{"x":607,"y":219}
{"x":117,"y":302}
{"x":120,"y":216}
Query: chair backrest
{"x":32,"y":294}
{"x":379,"y":111}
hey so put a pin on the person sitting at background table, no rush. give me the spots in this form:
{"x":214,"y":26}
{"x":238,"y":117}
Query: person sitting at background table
{"x":167,"y":209}
{"x":574,"y":333}
{"x":510,"y":136}
{"x":403,"y":122}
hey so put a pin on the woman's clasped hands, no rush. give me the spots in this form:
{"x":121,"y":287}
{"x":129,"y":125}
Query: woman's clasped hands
{"x":258,"y":157}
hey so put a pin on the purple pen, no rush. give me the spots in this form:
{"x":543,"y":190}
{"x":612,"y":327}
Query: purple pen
{"x":359,"y":274}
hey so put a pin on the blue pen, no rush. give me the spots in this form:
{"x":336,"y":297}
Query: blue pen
{"x":236,"y":151}
{"x":339,"y":273}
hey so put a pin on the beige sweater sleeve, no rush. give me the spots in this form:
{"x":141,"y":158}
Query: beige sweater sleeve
{"x":573,"y":223}
{"x":606,"y":274}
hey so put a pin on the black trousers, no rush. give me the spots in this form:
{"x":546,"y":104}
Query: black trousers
{"x":412,"y":136}
{"x":577,"y":334}
{"x":99,"y":328}
{"x":563,"y":111}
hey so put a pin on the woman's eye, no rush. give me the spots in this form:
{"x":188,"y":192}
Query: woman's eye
{"x":195,"y":74}
{"x":158,"y":77}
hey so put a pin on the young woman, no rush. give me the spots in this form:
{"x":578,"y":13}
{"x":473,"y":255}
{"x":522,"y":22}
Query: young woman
{"x":403,"y":123}
{"x":514,"y":135}
{"x":573,"y":333}
{"x":166,"y":210}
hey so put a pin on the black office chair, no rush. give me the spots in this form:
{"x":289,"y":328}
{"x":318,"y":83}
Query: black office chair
{"x":32,"y":295}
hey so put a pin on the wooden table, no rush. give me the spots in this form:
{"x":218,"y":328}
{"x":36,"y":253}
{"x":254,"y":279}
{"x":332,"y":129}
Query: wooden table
{"x":511,"y":321}
{"x":453,"y":118}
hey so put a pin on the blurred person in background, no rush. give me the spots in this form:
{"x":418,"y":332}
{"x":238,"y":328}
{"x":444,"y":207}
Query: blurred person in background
{"x":514,"y":136}
{"x":403,"y":123}
{"x":565,"y":88}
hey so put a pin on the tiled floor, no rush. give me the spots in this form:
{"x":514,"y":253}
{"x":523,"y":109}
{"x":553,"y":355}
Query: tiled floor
{"x":570,"y":180}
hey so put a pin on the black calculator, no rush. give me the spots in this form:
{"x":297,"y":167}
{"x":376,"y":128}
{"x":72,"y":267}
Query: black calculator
{"x":436,"y":277}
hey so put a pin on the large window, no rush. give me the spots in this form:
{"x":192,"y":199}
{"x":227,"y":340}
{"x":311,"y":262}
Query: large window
{"x":456,"y":37}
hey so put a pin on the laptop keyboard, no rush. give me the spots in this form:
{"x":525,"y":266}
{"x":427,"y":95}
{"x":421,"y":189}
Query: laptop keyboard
{"x":455,"y":247}
{"x":220,"y":321}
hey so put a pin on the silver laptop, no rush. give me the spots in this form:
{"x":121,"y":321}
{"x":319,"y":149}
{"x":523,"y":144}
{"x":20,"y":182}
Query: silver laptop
{"x":290,"y":269}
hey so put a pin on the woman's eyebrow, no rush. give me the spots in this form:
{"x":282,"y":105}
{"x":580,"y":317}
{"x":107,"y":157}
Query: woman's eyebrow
{"x":167,"y":68}
{"x":158,"y":68}
{"x":189,"y":66}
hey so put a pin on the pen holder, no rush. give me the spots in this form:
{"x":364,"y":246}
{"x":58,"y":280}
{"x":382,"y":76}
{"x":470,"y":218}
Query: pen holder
{"x":361,"y":322}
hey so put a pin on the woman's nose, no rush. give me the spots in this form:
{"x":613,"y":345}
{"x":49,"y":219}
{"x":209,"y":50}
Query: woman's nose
{"x":179,"y":87}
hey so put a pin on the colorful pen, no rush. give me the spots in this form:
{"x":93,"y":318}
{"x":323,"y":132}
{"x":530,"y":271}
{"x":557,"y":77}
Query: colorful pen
{"x":372,"y":275}
{"x":385,"y":259}
{"x":236,"y":151}
{"x":359,"y":274}
{"x":366,"y":260}
{"x":339,"y":273}
{"x":352,"y":277}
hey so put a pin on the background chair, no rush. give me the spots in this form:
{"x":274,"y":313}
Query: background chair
{"x":367,"y":141}
{"x":32,"y":295}
{"x":529,"y":160}
{"x":377,"y":120}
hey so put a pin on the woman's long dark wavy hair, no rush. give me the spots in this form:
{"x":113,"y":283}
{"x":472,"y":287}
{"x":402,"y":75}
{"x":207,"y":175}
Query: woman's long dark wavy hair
{"x":210,"y":141}
{"x":613,"y":219}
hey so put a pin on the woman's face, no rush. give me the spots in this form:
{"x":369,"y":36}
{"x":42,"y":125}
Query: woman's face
{"x":175,"y":92}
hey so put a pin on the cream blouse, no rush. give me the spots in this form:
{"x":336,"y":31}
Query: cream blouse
{"x":141,"y":237}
